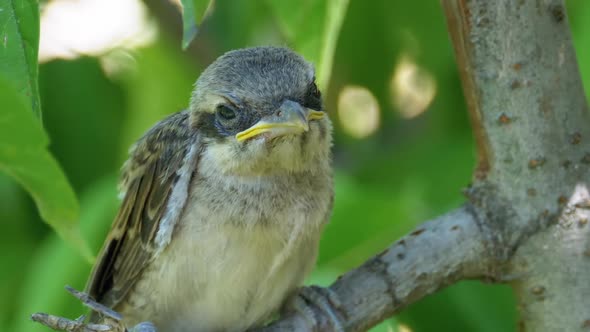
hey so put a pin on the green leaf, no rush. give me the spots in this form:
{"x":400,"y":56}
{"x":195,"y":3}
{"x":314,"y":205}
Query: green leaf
{"x":192,"y":13}
{"x":579,"y":14}
{"x":55,"y":265}
{"x":19,"y":45}
{"x":312,"y":28}
{"x":24,"y":156}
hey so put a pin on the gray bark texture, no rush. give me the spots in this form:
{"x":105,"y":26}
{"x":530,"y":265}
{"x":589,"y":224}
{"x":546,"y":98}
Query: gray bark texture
{"x":525,"y":221}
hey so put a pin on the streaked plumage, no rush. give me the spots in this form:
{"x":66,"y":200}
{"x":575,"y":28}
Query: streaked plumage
{"x":215,"y":232}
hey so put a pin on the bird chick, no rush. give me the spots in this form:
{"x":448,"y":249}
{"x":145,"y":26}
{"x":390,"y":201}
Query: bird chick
{"x":223,"y":204}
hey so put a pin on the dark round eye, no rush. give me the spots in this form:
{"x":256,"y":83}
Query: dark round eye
{"x":226,"y":112}
{"x":314,"y":90}
{"x":313,"y":97}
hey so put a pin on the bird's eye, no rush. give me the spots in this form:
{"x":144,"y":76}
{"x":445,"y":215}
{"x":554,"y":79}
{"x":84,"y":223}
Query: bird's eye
{"x":315,"y":91}
{"x":226,"y":112}
{"x":313,"y":97}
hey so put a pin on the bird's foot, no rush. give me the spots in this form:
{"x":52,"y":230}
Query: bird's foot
{"x":323,"y":299}
{"x":112,"y":320}
{"x":67,"y":325}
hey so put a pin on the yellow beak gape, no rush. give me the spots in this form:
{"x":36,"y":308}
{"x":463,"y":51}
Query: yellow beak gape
{"x":315,"y":115}
{"x":290,"y":118}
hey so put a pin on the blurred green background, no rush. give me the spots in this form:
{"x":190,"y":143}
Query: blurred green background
{"x":403,"y":147}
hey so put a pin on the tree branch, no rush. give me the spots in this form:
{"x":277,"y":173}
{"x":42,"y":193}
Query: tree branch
{"x":529,"y":112}
{"x":527,"y":220}
{"x":440,"y":252}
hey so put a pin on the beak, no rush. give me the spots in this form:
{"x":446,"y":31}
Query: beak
{"x":290,"y":118}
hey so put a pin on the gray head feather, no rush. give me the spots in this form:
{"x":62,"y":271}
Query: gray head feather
{"x":259,"y":77}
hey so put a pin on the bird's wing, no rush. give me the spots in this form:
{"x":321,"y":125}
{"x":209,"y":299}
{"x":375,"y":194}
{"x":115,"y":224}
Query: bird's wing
{"x":154,"y":185}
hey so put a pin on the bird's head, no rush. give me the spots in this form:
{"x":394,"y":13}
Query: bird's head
{"x":259,"y":111}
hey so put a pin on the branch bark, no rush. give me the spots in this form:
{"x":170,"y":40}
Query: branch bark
{"x":438,"y":253}
{"x":526,"y":220}
{"x":530,"y":115}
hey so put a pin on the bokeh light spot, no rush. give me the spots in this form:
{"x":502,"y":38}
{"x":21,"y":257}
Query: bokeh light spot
{"x":403,"y":328}
{"x":358,"y":111}
{"x":72,"y":28}
{"x":412,"y":88}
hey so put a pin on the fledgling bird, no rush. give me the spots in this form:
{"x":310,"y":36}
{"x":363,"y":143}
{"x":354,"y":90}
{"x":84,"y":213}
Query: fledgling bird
{"x":224,"y":203}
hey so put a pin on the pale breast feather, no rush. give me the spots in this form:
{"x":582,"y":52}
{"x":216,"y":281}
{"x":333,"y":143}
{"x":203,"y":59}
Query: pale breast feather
{"x":154,"y":188}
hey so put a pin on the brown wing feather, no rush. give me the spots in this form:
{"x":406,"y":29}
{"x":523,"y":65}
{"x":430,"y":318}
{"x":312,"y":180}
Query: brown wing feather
{"x":147,"y":181}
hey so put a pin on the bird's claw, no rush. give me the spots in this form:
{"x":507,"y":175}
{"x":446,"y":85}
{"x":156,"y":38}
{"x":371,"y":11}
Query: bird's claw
{"x":67,"y":325}
{"x":322,"y":298}
{"x":112,"y":319}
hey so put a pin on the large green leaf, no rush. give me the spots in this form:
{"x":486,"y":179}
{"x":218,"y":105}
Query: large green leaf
{"x":19,"y":44}
{"x":24,"y":156}
{"x":312,"y":28}
{"x":192,"y":13}
{"x":55,"y":265}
